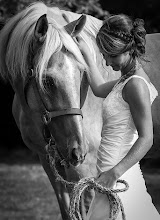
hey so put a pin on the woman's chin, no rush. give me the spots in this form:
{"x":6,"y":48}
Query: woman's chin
{"x":115,"y":68}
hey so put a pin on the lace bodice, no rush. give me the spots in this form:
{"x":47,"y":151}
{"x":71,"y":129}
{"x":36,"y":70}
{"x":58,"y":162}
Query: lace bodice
{"x":118,"y":132}
{"x":114,"y":102}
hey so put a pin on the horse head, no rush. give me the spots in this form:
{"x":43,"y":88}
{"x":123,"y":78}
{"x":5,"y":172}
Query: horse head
{"x":59,"y":87}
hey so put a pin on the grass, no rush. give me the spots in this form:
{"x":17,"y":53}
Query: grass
{"x":26,"y":193}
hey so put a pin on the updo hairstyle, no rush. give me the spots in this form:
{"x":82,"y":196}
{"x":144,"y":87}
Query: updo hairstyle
{"x":119,"y":34}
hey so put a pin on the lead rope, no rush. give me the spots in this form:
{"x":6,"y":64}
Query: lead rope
{"x":85,"y":184}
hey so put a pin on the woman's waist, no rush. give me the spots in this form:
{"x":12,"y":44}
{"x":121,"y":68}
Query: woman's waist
{"x":112,"y":150}
{"x":118,"y":137}
{"x":118,"y":143}
{"x":118,"y":128}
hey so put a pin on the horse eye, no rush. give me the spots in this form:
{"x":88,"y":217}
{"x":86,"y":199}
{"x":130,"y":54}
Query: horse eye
{"x":65,"y":50}
{"x":49,"y":84}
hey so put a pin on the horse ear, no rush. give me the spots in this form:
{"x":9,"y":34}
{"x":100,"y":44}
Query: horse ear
{"x":75,"y":27}
{"x":41,"y":28}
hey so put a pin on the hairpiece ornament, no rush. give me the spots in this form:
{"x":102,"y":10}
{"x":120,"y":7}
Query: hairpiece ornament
{"x":126,"y":37}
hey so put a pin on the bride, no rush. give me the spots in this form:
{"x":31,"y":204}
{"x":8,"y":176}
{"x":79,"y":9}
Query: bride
{"x":127,"y":132}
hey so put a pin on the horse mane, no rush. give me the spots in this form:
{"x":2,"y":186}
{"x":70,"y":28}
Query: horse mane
{"x":18,"y":34}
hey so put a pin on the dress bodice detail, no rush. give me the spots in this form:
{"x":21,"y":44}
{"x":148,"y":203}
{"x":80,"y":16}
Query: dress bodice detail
{"x":118,"y":132}
{"x":114,"y":102}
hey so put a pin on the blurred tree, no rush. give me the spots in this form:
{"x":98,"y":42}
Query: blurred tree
{"x":147,"y":9}
{"x":92,"y":7}
{"x":8,"y":8}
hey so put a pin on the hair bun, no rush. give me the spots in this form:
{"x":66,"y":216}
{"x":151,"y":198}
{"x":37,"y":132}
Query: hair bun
{"x":139,"y":33}
{"x":138,"y":22}
{"x":138,"y":27}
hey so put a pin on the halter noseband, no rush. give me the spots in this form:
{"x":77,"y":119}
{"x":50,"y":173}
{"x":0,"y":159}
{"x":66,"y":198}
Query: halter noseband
{"x":47,"y":116}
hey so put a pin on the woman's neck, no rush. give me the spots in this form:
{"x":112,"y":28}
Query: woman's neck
{"x":128,"y":67}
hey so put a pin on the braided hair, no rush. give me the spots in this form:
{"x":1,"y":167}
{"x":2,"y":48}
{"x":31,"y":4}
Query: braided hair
{"x":119,"y":34}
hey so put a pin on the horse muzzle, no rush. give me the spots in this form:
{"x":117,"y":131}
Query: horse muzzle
{"x":76,"y":158}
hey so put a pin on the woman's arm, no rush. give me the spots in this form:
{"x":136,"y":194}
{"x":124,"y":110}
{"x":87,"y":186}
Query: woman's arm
{"x":137,"y":95}
{"x":98,"y":85}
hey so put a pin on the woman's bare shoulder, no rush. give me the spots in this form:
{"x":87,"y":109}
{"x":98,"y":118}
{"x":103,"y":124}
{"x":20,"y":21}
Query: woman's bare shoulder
{"x":140,"y":72}
{"x":136,"y":88}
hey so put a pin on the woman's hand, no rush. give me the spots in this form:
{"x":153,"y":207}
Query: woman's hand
{"x":107,"y":179}
{"x":85,"y":50}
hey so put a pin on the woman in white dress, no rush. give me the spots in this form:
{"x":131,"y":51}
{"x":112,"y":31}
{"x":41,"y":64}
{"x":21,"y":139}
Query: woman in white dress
{"x":127,"y":132}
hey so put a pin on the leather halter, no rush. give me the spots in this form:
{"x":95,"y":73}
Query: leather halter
{"x":47,"y":115}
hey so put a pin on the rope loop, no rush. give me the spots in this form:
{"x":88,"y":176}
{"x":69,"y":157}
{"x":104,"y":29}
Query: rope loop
{"x":88,"y":183}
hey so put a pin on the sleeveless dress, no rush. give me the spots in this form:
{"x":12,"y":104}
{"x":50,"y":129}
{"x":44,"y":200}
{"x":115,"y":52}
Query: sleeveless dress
{"x":118,"y":136}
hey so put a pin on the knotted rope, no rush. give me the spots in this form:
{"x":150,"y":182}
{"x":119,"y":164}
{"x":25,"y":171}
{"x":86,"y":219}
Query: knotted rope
{"x":88,"y":183}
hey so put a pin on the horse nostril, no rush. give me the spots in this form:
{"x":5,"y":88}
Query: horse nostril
{"x":75,"y":154}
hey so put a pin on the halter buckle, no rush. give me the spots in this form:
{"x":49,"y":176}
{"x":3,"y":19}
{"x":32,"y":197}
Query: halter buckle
{"x":64,"y":163}
{"x":46,"y":117}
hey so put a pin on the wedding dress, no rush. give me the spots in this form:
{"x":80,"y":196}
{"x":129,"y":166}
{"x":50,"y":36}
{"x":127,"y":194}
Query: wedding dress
{"x":118,"y":136}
